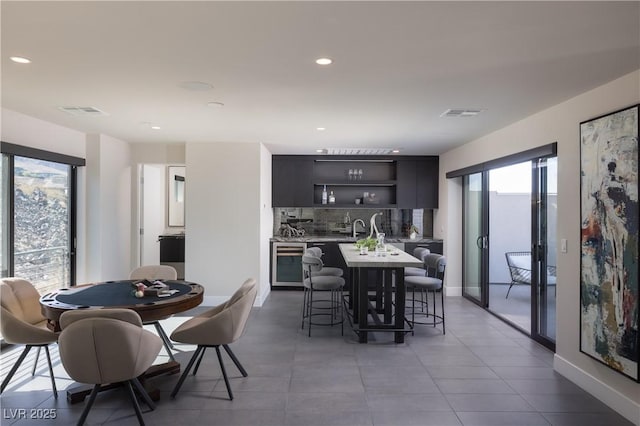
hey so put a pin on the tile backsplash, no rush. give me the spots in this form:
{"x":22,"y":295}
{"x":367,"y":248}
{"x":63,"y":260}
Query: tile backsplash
{"x":319,"y":221}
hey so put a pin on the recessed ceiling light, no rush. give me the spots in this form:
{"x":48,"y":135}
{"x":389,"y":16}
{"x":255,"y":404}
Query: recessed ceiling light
{"x":196,"y":86}
{"x":395,"y":151}
{"x":156,"y":127}
{"x":319,"y":151}
{"x":215,"y":104}
{"x":324,"y":61}
{"x":321,"y":129}
{"x":20,"y":60}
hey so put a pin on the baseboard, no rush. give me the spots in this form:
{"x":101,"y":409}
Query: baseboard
{"x":605,"y":393}
{"x":452,"y":291}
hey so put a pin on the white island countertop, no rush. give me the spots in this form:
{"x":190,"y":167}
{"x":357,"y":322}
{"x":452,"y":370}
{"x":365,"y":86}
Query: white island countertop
{"x":393,"y":259}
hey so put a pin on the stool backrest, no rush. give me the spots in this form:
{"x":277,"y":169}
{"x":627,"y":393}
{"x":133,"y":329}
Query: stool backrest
{"x":435,"y":265}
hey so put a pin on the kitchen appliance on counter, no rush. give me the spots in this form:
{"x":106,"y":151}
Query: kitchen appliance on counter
{"x":286,"y":264}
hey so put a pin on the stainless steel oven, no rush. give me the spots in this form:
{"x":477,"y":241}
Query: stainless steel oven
{"x":286,"y":264}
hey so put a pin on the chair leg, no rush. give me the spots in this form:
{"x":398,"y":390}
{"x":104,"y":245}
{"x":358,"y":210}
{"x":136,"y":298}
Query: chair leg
{"x":235,"y":360}
{"x":21,"y":358}
{"x":92,"y":398}
{"x":143,"y":393}
{"x":35,"y":363}
{"x":442,"y":302}
{"x":195,"y":370}
{"x":53,"y":380}
{"x":175,"y":390}
{"x":304,"y":306}
{"x":224,"y":373}
{"x":507,"y":296}
{"x":309,"y":308}
{"x":134,"y":401}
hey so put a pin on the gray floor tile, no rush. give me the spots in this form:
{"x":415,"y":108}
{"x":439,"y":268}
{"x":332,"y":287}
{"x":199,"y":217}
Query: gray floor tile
{"x":586,"y":419}
{"x":474,"y":375}
{"x":414,"y":418}
{"x":456,"y":372}
{"x":447,"y":386}
{"x":501,"y":419}
{"x":566,"y":403}
{"x":328,"y":418}
{"x":488,"y":402}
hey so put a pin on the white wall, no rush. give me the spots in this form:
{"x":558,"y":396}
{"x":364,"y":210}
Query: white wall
{"x":556,"y":124}
{"x":223,"y":219}
{"x":104,"y":191}
{"x":266,"y":222}
{"x":108,"y":208}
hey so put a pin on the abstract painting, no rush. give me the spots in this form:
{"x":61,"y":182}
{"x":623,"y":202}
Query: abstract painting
{"x":609,"y":241}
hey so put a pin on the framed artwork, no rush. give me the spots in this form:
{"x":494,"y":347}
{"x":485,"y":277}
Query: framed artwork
{"x":175,"y":195}
{"x":609,"y":298}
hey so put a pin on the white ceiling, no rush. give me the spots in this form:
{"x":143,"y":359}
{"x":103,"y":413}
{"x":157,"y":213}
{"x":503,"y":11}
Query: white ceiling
{"x":398,"y":66}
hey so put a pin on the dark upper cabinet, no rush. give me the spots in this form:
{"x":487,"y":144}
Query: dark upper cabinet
{"x":399,"y":181}
{"x":406,"y":193}
{"x":418,"y":183}
{"x":291,"y":184}
{"x":427,"y":175}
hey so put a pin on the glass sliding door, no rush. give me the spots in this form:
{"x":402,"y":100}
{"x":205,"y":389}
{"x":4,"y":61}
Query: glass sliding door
{"x":474,"y":233}
{"x":4,"y":216}
{"x":545,"y":252}
{"x":510,"y":201}
{"x":41,"y":223}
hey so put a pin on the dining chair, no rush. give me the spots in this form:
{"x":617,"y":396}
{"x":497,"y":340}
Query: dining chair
{"x":152,"y":273}
{"x":218,"y":326}
{"x":313,"y":282}
{"x":432,"y":282}
{"x":22,"y":323}
{"x":104,"y":346}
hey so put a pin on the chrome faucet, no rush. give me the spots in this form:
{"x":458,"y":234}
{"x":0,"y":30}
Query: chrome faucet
{"x":353,"y":226}
{"x":372,"y":225}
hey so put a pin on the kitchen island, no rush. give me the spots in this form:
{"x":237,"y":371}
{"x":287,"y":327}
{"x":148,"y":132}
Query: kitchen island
{"x":389,"y":272}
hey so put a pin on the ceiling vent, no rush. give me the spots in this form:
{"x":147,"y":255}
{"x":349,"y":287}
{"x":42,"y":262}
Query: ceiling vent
{"x":83,"y":111}
{"x":359,"y":151}
{"x":461,"y":112}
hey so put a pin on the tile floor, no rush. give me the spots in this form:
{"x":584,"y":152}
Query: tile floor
{"x":482,"y":372}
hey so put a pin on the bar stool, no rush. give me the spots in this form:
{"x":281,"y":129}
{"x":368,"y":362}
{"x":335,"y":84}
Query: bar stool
{"x":321,"y":283}
{"x":326,"y":270}
{"x":434,"y":265}
{"x":418,"y":252}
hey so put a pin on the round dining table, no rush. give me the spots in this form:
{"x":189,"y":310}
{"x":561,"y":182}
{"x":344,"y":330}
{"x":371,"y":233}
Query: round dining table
{"x":180,"y":296}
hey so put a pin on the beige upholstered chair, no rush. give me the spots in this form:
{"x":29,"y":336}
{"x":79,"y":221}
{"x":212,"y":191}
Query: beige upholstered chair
{"x":151,"y":273}
{"x":217,"y":327}
{"x":101,"y":346}
{"x":22,"y":323}
{"x":154,"y":272}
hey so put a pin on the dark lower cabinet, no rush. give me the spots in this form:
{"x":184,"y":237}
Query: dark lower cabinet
{"x":433,"y":246}
{"x":172,"y":252}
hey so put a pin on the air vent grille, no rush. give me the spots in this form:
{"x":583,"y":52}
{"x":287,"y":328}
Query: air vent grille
{"x":461,"y":112}
{"x":79,"y":111}
{"x":359,"y":151}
